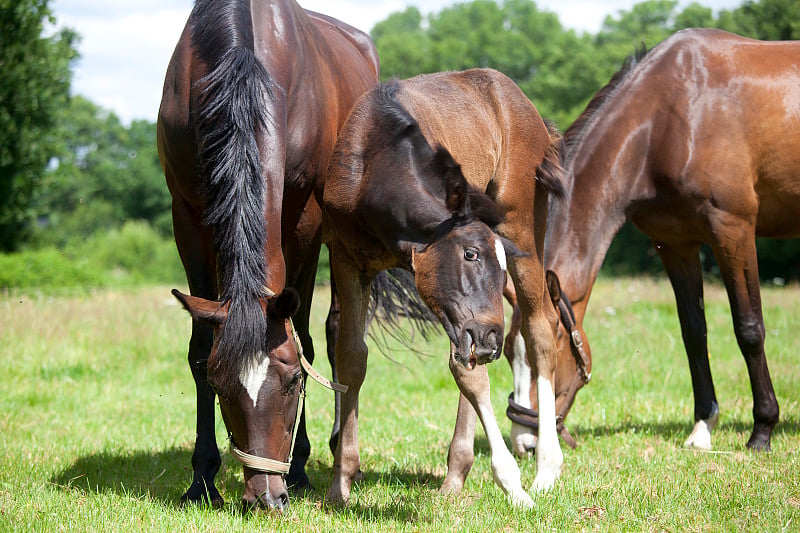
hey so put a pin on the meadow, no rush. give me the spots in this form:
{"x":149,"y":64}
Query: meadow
{"x":97,"y":426}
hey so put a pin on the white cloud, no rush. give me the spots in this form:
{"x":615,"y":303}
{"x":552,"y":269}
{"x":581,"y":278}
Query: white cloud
{"x":126,"y":46}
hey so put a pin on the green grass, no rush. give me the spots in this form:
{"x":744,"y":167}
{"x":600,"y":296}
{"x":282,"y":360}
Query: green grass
{"x":97,"y":425}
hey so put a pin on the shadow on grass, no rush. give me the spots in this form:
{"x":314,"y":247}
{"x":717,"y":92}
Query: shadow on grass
{"x":678,"y":432}
{"x":163,"y":477}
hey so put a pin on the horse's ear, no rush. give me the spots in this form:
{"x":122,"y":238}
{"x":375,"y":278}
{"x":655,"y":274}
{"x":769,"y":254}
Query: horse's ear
{"x":285,"y":305}
{"x":553,"y":287}
{"x":202,"y":309}
{"x":456,"y":186}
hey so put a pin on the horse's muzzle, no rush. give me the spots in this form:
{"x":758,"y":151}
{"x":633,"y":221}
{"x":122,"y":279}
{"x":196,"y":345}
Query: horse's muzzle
{"x":478,"y":345}
{"x":263,"y":499}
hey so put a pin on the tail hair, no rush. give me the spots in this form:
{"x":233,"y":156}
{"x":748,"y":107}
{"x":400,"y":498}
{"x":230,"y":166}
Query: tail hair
{"x":233,"y":103}
{"x":394,"y":296}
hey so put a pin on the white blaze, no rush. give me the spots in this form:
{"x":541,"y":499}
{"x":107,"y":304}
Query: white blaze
{"x":253,"y":375}
{"x":501,"y":254}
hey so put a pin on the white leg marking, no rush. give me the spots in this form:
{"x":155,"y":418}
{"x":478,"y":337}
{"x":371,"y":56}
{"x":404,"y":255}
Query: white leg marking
{"x":522,"y":438}
{"x":253,"y":374}
{"x":701,"y":434}
{"x":505,"y":470}
{"x":549,"y":458}
{"x":501,"y":254}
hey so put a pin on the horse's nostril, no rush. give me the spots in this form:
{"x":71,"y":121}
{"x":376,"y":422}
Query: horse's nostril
{"x":282,"y":501}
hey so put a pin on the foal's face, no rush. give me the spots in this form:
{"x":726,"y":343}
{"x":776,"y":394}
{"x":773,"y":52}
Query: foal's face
{"x":461,"y":276}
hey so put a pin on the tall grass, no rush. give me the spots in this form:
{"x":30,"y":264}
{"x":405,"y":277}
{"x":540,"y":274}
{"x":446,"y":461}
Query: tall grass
{"x":97,"y":418}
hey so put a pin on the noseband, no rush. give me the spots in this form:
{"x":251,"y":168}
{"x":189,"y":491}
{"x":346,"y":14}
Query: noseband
{"x":530,"y":418}
{"x":271,"y":466}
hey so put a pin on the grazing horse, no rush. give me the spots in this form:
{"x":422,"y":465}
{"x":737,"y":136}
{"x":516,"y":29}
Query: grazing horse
{"x":254,"y":97}
{"x":697,"y":141}
{"x":395,"y":197}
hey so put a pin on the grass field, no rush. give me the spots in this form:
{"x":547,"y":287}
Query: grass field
{"x":97,"y":426}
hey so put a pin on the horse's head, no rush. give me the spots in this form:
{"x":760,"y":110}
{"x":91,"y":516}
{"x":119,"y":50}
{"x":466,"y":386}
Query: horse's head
{"x":461,"y":272}
{"x":259,"y":392}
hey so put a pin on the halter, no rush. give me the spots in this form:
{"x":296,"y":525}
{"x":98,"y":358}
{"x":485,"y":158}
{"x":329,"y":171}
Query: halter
{"x":271,"y":466}
{"x":530,"y":418}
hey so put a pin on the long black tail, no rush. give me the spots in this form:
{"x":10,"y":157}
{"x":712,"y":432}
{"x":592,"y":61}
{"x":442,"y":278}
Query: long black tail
{"x":234,"y":99}
{"x":394,"y":296}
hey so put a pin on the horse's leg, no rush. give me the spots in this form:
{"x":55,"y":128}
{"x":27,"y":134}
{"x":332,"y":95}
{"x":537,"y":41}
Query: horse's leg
{"x":474,"y":385}
{"x":351,"y":365}
{"x":460,"y":454}
{"x":736,"y":255}
{"x":193,"y":247}
{"x":301,"y":253}
{"x":523,"y":439}
{"x":682,"y":264}
{"x":331,"y":334}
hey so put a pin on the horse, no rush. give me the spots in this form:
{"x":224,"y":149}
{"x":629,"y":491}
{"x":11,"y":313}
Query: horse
{"x":254,"y":96}
{"x":696,"y":141}
{"x":442,"y":175}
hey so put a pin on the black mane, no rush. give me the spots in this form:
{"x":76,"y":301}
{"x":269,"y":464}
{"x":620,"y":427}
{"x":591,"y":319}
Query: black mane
{"x":233,"y":110}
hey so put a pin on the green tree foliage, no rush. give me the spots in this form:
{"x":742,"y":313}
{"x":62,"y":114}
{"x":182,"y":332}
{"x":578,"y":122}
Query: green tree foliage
{"x":34,"y":84}
{"x":773,"y":20}
{"x":106,"y":174}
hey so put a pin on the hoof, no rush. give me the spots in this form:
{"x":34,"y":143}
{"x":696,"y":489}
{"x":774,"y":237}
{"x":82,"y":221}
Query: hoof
{"x":299,"y":484}
{"x":520,"y":499}
{"x":210,"y":498}
{"x":759,"y":442}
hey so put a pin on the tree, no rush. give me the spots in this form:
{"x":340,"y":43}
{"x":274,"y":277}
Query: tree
{"x":768,"y":19}
{"x":34,"y":83}
{"x":106,"y":174}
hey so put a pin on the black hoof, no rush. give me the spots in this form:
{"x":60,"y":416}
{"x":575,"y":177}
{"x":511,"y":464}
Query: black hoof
{"x":197,"y":495}
{"x":759,"y":442}
{"x":299,"y":484}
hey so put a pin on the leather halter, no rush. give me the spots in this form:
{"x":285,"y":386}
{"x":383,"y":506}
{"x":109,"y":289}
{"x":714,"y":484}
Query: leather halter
{"x":530,"y":418}
{"x":271,"y":466}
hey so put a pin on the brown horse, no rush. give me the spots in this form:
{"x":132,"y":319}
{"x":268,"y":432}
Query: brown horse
{"x":698,"y":141}
{"x":395,"y":197}
{"x":254,"y":97}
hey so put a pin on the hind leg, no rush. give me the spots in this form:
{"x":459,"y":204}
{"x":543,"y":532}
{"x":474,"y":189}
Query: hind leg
{"x":682,"y":264}
{"x":736,"y":255}
{"x":331,"y":334}
{"x":194,"y":249}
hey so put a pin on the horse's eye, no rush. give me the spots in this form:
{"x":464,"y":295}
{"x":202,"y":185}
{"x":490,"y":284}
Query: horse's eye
{"x":471,"y":254}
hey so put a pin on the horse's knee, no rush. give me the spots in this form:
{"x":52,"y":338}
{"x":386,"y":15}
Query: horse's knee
{"x":750,"y":335}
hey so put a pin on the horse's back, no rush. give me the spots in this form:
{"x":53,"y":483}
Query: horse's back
{"x":481,"y":116}
{"x":729,"y":109}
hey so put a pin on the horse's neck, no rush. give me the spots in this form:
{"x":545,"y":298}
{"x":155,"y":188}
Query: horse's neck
{"x":581,"y":227}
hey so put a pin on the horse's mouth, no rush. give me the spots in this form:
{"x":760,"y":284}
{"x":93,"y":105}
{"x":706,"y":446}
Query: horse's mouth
{"x":473,"y":359}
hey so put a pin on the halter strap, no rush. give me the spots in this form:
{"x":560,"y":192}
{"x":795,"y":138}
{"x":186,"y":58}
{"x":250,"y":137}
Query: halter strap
{"x":530,"y":418}
{"x":271,"y":466}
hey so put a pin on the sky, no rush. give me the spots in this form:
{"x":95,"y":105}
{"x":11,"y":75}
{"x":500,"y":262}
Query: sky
{"x":126,"y":46}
